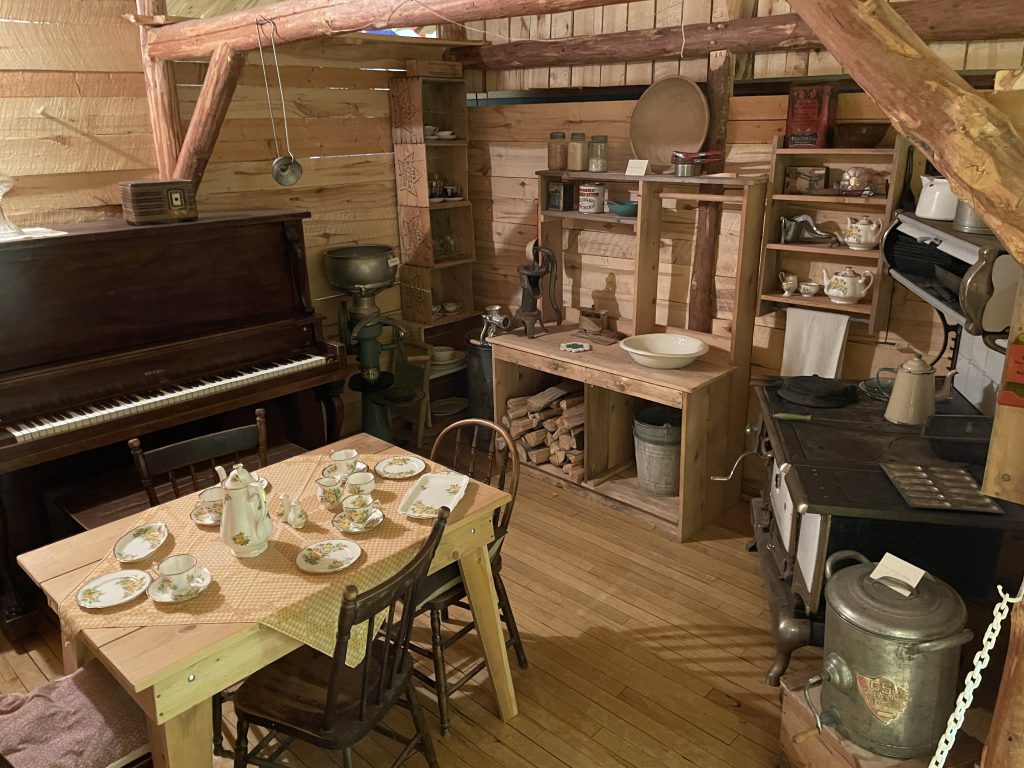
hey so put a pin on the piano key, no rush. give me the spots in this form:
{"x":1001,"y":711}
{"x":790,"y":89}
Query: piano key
{"x":122,"y":406}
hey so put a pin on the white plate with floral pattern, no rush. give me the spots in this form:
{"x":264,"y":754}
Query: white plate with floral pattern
{"x":433,"y":491}
{"x":160,"y":590}
{"x":328,"y":556}
{"x":400,"y":467}
{"x":113,"y":589}
{"x":140,"y":543}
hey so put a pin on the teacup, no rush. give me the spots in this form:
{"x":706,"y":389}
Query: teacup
{"x":429,"y":130}
{"x":789,"y":282}
{"x":212,"y":502}
{"x":451,"y":307}
{"x":329,"y":491}
{"x":361,"y":483}
{"x":809,"y":289}
{"x":359,"y":507}
{"x":438,"y":310}
{"x":453,"y":191}
{"x":178,"y":571}
{"x":345,"y":460}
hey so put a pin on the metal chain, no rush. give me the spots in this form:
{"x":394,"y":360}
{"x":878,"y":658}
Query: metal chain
{"x":280,"y":86}
{"x":973,"y":679}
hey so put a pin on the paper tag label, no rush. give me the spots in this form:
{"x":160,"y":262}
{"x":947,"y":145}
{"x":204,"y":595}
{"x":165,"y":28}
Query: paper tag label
{"x":890,"y":565}
{"x":394,"y":261}
{"x":637,"y":167}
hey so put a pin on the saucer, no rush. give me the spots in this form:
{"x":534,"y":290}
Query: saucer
{"x":200,"y":516}
{"x":436,"y":199}
{"x":400,"y":467}
{"x":328,"y":556}
{"x":160,"y":590}
{"x":341,"y":522}
{"x":454,"y":199}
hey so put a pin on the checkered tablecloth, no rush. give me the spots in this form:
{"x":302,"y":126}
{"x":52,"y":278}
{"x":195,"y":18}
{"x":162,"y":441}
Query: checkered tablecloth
{"x":268,"y":589}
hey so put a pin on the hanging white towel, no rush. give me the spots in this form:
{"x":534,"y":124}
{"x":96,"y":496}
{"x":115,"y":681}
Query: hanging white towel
{"x":815,"y":343}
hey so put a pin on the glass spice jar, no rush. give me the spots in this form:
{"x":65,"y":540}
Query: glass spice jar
{"x":558,"y":151}
{"x":578,"y":152}
{"x":597,"y":154}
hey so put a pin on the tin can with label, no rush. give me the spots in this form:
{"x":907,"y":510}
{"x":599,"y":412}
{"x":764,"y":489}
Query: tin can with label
{"x":592,"y":198}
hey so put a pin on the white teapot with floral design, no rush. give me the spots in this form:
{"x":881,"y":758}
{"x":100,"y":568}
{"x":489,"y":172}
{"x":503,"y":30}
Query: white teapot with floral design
{"x":245,"y":525}
{"x":862,"y":234}
{"x":847,"y":287}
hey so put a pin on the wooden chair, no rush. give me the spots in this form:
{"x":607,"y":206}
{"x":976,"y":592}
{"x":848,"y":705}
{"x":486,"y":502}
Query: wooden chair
{"x":483,"y":460}
{"x":321,"y":700}
{"x":85,"y":719}
{"x":198,"y":455}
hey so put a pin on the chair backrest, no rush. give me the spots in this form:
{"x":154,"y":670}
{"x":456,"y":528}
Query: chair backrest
{"x":197,"y":456}
{"x":387,"y":662}
{"x":488,"y":456}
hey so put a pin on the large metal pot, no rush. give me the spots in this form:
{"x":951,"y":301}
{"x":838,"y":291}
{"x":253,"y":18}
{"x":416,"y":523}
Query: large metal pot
{"x":891,"y":660}
{"x":966,"y":219}
{"x":361,"y":270}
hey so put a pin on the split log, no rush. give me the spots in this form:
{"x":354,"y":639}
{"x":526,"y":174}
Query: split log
{"x":574,"y":417}
{"x":574,"y":457}
{"x":569,"y":402}
{"x":519,"y":412}
{"x":521,"y":451}
{"x":565,"y":441}
{"x":506,"y":422}
{"x":934,"y":20}
{"x":574,"y":472}
{"x":162,"y":98}
{"x":520,"y":427}
{"x":558,"y":458}
{"x":533,"y":439}
{"x":307,"y":19}
{"x":972,"y":142}
{"x":538,"y":455}
{"x":542,"y":400}
{"x":540,"y":418}
{"x":551,"y":424}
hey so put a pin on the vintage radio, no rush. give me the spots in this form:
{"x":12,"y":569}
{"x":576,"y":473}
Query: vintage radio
{"x":158,"y":202}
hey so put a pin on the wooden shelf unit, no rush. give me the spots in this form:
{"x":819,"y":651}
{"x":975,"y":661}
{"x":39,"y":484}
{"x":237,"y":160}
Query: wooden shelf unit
{"x":426,"y":276}
{"x":613,"y":389}
{"x":830,"y":212}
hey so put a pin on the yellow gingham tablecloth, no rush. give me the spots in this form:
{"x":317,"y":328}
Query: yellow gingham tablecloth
{"x":268,"y":589}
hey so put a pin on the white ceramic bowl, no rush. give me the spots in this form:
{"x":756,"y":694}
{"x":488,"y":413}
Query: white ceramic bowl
{"x":442,"y":354}
{"x":663,"y":350}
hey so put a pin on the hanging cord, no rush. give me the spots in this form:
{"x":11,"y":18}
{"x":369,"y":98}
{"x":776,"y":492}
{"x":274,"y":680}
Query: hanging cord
{"x":973,"y":679}
{"x":260,"y":22}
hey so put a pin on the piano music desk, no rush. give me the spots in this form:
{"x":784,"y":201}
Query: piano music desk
{"x":173,"y":670}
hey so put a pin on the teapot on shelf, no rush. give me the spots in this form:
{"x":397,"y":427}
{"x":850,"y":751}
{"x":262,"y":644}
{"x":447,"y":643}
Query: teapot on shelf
{"x":862,"y":234}
{"x":846,"y":287}
{"x":913,"y":395}
{"x":245,"y":526}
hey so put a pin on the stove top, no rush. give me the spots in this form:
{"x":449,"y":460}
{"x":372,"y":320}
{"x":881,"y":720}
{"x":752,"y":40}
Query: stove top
{"x":838,"y":460}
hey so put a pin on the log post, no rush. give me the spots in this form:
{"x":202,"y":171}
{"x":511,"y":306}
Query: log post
{"x":1004,"y":746}
{"x":935,"y":21}
{"x":214,"y":99}
{"x":161,"y":96}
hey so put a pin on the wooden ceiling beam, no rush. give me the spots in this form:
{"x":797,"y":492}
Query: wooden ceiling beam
{"x":933,"y":21}
{"x":307,"y":19}
{"x":162,"y":98}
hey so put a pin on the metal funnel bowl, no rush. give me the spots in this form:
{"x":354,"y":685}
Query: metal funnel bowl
{"x":361,"y":270}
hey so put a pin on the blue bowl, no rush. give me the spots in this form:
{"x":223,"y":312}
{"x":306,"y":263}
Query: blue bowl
{"x":622,"y":207}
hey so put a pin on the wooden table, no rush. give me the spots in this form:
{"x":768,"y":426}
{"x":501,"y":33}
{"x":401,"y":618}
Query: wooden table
{"x":172,"y":671}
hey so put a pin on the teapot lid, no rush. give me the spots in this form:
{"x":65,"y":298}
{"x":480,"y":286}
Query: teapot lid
{"x":239,"y":478}
{"x":917,"y":365}
{"x":848,"y":272}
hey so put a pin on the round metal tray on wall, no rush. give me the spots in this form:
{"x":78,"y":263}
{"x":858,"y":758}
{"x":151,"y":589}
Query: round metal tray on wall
{"x":672,"y":114}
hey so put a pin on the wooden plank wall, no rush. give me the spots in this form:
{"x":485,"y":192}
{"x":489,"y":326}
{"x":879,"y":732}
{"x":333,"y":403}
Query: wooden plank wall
{"x":646,"y":14}
{"x":508,"y":146}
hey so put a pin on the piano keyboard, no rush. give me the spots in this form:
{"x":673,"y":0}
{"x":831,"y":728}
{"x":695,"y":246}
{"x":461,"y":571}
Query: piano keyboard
{"x":119,"y":407}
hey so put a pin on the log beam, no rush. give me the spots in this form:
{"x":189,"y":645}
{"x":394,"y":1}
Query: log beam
{"x":307,"y":19}
{"x":218,"y":87}
{"x":934,"y":21}
{"x":162,"y":98}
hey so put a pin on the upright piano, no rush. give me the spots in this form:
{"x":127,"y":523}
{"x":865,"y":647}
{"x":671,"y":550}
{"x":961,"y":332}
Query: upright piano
{"x":114,"y":331}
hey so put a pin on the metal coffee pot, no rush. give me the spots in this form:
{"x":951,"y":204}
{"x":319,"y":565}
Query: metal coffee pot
{"x":913,"y":395}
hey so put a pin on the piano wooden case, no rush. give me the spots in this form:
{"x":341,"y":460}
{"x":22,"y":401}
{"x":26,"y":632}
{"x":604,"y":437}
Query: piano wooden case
{"x":115,"y":331}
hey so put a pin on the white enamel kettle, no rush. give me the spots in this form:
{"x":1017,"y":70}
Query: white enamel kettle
{"x":913,"y":395}
{"x":245,"y":525}
{"x":937,"y":200}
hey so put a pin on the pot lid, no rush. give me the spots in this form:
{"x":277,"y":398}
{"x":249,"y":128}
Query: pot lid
{"x":817,"y":392}
{"x":934,"y":610}
{"x":848,"y":272}
{"x":917,"y":365}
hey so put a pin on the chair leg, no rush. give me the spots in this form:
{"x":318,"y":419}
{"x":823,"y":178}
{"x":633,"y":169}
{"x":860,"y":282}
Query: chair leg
{"x":218,"y":735}
{"x":346,"y":758}
{"x":242,"y":744}
{"x":510,"y":620}
{"x":426,"y":743}
{"x":440,"y":674}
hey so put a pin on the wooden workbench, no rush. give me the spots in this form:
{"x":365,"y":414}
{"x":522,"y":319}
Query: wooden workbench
{"x":614,"y":386}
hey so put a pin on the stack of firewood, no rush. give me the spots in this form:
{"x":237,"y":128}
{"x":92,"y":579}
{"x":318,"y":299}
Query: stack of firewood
{"x":548,"y":427}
